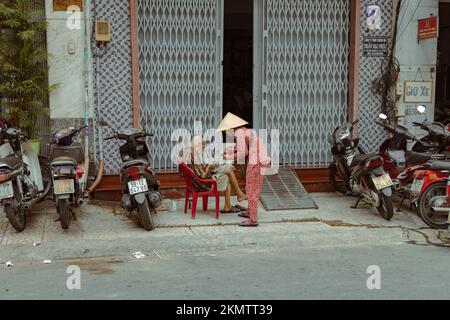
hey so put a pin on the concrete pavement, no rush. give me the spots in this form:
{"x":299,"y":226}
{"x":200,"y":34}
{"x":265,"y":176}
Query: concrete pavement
{"x":407,"y":272}
{"x":295,"y":254}
{"x":107,"y":224}
{"x":107,"y":221}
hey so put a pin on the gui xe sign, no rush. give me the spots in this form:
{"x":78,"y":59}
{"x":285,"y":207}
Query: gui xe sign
{"x":418,"y":92}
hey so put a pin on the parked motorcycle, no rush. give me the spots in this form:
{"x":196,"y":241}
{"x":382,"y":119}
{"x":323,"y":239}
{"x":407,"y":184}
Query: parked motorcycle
{"x":21,"y":179}
{"x":344,"y":148}
{"x":362,"y":174}
{"x":436,"y":140}
{"x":139,"y":184}
{"x":401,"y":163}
{"x":68,"y":173}
{"x":431,"y":192}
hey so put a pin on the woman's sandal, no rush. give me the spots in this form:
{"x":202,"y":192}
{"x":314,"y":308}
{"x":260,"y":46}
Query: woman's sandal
{"x":249,"y":224}
{"x":233,"y":210}
{"x":241,"y":208}
{"x":245,"y":215}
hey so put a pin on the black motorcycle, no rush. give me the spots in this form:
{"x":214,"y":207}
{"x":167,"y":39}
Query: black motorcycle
{"x":68,"y":173}
{"x":359,"y":174}
{"x":436,"y":140}
{"x":24,"y":177}
{"x":344,"y":148}
{"x":141,"y":190}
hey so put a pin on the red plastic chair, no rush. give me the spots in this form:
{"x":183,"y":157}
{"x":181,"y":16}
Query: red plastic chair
{"x":189,"y":176}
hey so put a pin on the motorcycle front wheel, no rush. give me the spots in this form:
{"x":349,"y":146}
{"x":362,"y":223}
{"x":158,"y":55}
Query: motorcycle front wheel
{"x":337,"y":181}
{"x":386,"y":208}
{"x":146,"y":215}
{"x":63,"y":208}
{"x":431,"y":218}
{"x":17,"y":217}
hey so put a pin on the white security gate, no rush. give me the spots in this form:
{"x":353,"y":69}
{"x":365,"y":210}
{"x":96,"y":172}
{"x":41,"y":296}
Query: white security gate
{"x":180,"y":62}
{"x":304,"y":76}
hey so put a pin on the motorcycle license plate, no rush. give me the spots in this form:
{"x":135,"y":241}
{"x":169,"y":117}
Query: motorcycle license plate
{"x":382,"y":182}
{"x":64,"y":186}
{"x":6,"y":190}
{"x":416,"y":187}
{"x":138,"y":186}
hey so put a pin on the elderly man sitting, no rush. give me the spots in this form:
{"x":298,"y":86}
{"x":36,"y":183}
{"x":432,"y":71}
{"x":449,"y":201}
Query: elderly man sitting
{"x":223,"y":174}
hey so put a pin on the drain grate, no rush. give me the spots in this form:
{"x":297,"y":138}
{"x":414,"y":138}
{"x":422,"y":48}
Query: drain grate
{"x":284,"y":191}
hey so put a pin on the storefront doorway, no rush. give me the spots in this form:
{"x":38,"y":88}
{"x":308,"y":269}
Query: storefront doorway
{"x":443,"y":69}
{"x":280,"y":64}
{"x":238,"y":58}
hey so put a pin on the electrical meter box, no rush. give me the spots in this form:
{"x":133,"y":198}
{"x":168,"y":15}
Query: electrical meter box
{"x":102,"y":31}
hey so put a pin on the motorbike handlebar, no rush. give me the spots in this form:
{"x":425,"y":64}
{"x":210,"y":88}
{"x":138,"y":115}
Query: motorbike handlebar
{"x":384,"y":125}
{"x":83,"y":127}
{"x":125,"y":137}
{"x":111,"y":138}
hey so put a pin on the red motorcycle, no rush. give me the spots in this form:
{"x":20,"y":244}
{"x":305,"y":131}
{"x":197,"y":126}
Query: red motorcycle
{"x":431,"y":189}
{"x":400,"y":163}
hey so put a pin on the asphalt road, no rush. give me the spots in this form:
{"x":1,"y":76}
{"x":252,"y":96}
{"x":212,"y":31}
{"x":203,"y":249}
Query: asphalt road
{"x":279,"y":272}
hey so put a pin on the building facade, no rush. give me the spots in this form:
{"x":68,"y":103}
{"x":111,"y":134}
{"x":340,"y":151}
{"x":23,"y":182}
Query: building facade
{"x":300,"y":66}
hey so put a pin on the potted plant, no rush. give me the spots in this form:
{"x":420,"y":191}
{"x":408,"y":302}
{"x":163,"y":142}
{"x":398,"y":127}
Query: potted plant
{"x":24,"y":87}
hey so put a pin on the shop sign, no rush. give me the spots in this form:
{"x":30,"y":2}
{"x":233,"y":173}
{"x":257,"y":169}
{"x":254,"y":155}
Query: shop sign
{"x":428,"y":28}
{"x":63,"y":5}
{"x":375,"y":46}
{"x":418,"y":92}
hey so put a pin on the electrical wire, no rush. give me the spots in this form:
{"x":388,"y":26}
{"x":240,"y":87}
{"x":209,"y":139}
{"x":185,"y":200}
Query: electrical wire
{"x":404,"y":10}
{"x":390,"y":72}
{"x":410,"y":20}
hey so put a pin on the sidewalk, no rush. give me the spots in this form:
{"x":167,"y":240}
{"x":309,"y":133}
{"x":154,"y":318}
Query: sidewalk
{"x":107,"y":221}
{"x":103,"y":231}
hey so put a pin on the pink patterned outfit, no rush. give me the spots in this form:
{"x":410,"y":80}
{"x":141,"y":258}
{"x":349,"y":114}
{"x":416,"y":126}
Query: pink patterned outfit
{"x":251,"y":146}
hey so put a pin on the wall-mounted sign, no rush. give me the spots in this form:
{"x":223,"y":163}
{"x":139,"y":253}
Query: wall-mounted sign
{"x":62,"y":5}
{"x":373,"y":15}
{"x":418,"y":92}
{"x":376,"y":46}
{"x":428,"y":28}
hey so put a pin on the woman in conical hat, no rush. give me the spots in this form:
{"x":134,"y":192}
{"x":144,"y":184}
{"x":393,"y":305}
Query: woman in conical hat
{"x":248,"y":145}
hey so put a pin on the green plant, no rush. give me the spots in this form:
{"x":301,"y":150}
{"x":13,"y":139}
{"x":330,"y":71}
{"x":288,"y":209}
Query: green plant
{"x":23,"y":68}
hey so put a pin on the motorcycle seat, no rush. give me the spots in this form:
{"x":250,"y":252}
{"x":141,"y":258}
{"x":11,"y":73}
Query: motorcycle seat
{"x":363,"y":158}
{"x":64,"y":161}
{"x":417,"y":157}
{"x":439,"y":165}
{"x":138,"y":162}
{"x":10,"y":162}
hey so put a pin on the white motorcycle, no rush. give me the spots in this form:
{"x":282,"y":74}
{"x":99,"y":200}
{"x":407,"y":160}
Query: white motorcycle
{"x":21,"y":181}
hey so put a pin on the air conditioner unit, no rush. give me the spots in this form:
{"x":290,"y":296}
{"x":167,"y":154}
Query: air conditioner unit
{"x":102,"y":31}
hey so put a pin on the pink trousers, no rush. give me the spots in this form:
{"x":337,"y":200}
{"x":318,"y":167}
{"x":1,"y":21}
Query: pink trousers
{"x":254,"y":181}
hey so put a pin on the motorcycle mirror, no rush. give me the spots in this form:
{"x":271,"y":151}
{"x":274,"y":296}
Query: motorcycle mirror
{"x":383,"y":116}
{"x":422,"y":109}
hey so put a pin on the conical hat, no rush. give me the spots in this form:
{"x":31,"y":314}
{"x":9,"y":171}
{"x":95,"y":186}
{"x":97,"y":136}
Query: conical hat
{"x":231,"y":121}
